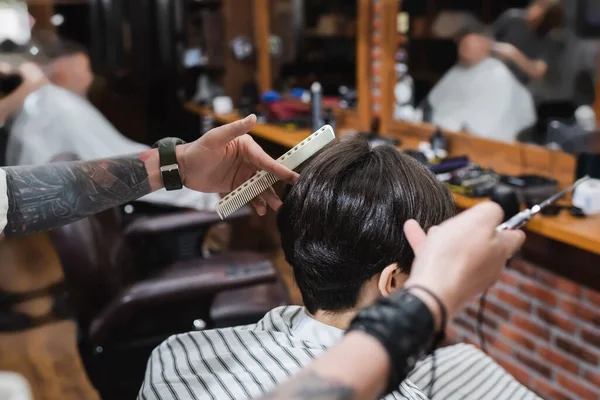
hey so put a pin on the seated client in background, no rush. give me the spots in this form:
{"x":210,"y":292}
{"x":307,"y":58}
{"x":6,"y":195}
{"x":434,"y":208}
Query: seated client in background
{"x":341,"y":229}
{"x":69,"y":66}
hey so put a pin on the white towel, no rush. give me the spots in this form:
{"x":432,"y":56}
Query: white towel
{"x":486,"y":100}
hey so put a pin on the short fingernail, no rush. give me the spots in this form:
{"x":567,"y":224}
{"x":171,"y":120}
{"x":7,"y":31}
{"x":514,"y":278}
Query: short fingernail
{"x":247,"y":120}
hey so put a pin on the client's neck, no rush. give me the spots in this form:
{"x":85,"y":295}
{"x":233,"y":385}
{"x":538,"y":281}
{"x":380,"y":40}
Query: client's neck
{"x":338,"y":319}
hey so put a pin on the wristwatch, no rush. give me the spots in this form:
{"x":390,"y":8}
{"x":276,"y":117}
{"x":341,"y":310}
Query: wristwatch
{"x":169,"y":168}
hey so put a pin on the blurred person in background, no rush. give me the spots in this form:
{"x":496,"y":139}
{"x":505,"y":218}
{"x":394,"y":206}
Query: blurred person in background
{"x":520,"y":38}
{"x":69,"y":66}
{"x":487,"y":92}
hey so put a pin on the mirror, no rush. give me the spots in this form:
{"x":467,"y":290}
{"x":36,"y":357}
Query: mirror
{"x":510,"y":70}
{"x":319,"y":42}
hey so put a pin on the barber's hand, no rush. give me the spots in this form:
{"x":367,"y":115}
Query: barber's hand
{"x":505,"y":51}
{"x":463,"y":256}
{"x":5,"y":68}
{"x":32,"y":74}
{"x":226,"y":157}
{"x":33,"y":79}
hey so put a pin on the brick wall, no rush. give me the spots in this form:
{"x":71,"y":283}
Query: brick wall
{"x":543,"y":329}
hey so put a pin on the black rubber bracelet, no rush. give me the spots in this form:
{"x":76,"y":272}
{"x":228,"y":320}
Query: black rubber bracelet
{"x":404,"y":326}
{"x":441,"y":335}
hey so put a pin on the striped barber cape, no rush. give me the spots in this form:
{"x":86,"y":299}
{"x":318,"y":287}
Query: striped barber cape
{"x":249,"y":361}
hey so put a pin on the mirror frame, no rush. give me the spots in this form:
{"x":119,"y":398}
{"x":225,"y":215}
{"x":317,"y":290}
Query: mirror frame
{"x":389,"y":45}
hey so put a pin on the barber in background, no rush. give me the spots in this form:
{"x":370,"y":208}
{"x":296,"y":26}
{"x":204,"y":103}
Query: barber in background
{"x":521,"y":38}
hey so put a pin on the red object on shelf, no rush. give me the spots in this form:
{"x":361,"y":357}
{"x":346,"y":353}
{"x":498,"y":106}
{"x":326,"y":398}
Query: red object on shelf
{"x":287,"y":109}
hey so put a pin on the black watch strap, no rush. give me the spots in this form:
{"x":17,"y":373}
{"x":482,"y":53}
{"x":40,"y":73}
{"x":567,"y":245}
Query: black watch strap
{"x":169,"y":168}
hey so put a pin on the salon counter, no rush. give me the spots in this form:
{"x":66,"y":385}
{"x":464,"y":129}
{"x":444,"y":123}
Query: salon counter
{"x":580,"y":233}
{"x":515,"y":159}
{"x":583,"y":233}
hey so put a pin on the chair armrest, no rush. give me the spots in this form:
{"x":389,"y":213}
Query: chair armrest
{"x":177,"y":284}
{"x":178,"y":221}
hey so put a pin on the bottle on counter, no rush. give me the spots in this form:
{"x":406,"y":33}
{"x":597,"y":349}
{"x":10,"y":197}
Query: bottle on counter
{"x":329,"y":119}
{"x":316,"y":92}
{"x":439,"y":144}
{"x":404,"y":88}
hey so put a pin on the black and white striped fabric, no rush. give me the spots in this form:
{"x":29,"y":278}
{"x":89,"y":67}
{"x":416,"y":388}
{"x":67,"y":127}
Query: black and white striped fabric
{"x":249,"y":361}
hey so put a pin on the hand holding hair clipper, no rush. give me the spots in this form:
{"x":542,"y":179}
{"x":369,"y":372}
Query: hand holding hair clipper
{"x":522,"y":218}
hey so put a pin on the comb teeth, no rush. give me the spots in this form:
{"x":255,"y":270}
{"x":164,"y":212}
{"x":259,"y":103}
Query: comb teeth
{"x":245,"y":193}
{"x":262,"y":180}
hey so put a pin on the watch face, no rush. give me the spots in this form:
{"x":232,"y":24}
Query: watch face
{"x":403,"y":92}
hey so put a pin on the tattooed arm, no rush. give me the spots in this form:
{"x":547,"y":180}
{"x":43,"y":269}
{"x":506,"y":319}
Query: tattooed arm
{"x":46,"y":196}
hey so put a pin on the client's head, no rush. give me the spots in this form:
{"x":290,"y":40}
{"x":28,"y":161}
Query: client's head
{"x":341,"y":224}
{"x":69,"y":66}
{"x":543,"y":16}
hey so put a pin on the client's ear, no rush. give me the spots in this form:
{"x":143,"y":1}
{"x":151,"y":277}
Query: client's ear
{"x":391,"y":280}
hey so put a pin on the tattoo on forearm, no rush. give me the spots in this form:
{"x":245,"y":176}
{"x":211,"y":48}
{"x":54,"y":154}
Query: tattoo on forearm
{"x":46,"y":196}
{"x":311,"y":386}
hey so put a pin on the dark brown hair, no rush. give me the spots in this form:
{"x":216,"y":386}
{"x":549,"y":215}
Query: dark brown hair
{"x":554,"y":17}
{"x":342,"y":222}
{"x":57,"y":48}
{"x":50,"y":49}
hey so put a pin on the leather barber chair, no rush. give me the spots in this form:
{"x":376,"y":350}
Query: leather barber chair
{"x":124,"y":309}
